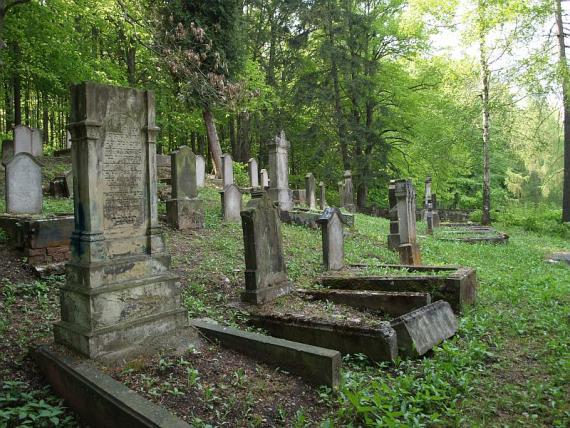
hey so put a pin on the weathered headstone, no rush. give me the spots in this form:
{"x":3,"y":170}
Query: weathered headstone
{"x":200,"y":171}
{"x":322,"y":199}
{"x":68,"y":184}
{"x":184,"y":210}
{"x":406,"y":207}
{"x":394,"y":236}
{"x":253,"y":173}
{"x":299,"y":196}
{"x":266,"y":273}
{"x":120,"y":296}
{"x":332,"y":228}
{"x":264,"y":178}
{"x":435,"y":214}
{"x":163,"y":166}
{"x":23,"y":184}
{"x":28,"y":140}
{"x":341,"y":193}
{"x":348,"y":192}
{"x":427,"y":192}
{"x":231,"y":203}
{"x":67,"y":140}
{"x":310,"y":191}
{"x":279,"y":172}
{"x":7,"y":150}
{"x":227,"y":170}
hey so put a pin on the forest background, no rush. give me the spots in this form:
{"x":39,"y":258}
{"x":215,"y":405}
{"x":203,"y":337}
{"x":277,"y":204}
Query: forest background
{"x":386,"y":88}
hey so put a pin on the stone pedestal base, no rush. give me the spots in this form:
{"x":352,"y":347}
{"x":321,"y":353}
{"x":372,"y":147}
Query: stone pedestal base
{"x":185,"y":214}
{"x":264,"y":295}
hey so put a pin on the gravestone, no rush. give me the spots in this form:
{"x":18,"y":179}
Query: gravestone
{"x":23,"y":176}
{"x":28,"y":140}
{"x":184,"y":210}
{"x":299,"y":196}
{"x":253,"y":173}
{"x":332,"y":229}
{"x":341,"y":193}
{"x":121,"y":297}
{"x":163,"y":166}
{"x":67,"y":140}
{"x":200,"y":171}
{"x":435,"y":214}
{"x":348,"y":192}
{"x":227,"y":170}
{"x":266,"y":273}
{"x":427,"y":192}
{"x":68,"y":184}
{"x":428,"y":207}
{"x":406,"y":207}
{"x":231,"y":203}
{"x":322,"y":199}
{"x":394,"y":236}
{"x":310,"y":191}
{"x":7,"y":150}
{"x":279,"y":172}
{"x":264,"y":178}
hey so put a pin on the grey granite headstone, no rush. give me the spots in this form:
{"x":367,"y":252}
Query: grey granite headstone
{"x":323,"y":198}
{"x":252,"y":170}
{"x":231,"y":203}
{"x":310,"y":191}
{"x":28,"y":140}
{"x":184,"y":210}
{"x":200,"y":171}
{"x":266,"y":273}
{"x":264,"y":178}
{"x":227,"y":170}
{"x":23,"y":185}
{"x":120,"y":296}
{"x":279,"y":172}
{"x":7,"y":150}
{"x":332,"y":228}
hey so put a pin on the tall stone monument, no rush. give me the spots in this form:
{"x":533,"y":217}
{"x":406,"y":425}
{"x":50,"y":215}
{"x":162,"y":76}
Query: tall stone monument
{"x":310,"y":191}
{"x":28,"y":140}
{"x":322,"y":199}
{"x":394,"y":236}
{"x":348,"y":192}
{"x":200,"y":171}
{"x":23,"y":184}
{"x":227,"y":170}
{"x":332,"y":228}
{"x":184,"y":210}
{"x":120,"y":296}
{"x":264,"y":179}
{"x":279,"y":172}
{"x":252,"y":171}
{"x":266,"y":273}
{"x":406,"y":207}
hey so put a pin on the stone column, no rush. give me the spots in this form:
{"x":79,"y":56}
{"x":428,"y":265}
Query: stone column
{"x":266,"y":273}
{"x":253,"y":173}
{"x":427,"y":194}
{"x":279,"y":172}
{"x":310,"y":191}
{"x":332,"y":229}
{"x":394,"y":236}
{"x":322,"y":200}
{"x":120,"y":296}
{"x":23,"y":181}
{"x":406,"y":207}
{"x":348,"y":192}
{"x":184,"y":210}
{"x":227,"y":170}
{"x":264,"y":178}
{"x":200,"y":171}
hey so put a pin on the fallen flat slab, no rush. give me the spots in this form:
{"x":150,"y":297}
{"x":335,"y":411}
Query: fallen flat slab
{"x":420,"y":330}
{"x":378,"y":343}
{"x":98,"y":398}
{"x":318,"y":365}
{"x":390,"y":302}
{"x":458,"y":286}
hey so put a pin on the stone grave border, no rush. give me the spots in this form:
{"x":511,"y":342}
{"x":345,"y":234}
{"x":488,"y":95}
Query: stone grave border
{"x":306,"y":218}
{"x":496,"y":238}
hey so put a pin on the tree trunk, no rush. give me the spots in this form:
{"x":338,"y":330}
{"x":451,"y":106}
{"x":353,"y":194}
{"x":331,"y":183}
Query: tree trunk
{"x":341,"y":127}
{"x":566,"y":107}
{"x":17,"y":98}
{"x":45,"y":118}
{"x":485,"y":75}
{"x":213,"y":142}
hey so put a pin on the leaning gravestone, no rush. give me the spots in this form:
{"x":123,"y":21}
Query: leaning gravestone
{"x":231,"y":203}
{"x":227,"y":170}
{"x":23,"y":185}
{"x":253,"y":173}
{"x":310,"y":191}
{"x":7,"y":150}
{"x":266,"y":273}
{"x":264,"y":178}
{"x":120,"y":296}
{"x":406,"y":207}
{"x":322,"y":199}
{"x":331,"y":222}
{"x":184,"y":209}
{"x":200,"y":171}
{"x":28,"y":140}
{"x":279,"y":169}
